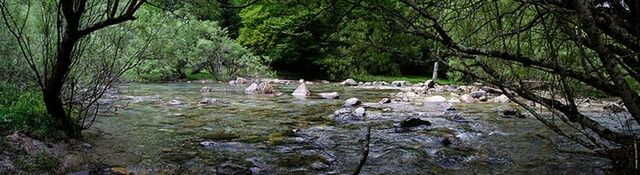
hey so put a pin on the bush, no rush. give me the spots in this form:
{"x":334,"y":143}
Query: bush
{"x":23,"y":111}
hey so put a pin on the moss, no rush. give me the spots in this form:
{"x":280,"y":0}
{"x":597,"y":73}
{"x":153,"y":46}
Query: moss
{"x":299,"y":160}
{"x":252,"y":139}
{"x":220,"y":134}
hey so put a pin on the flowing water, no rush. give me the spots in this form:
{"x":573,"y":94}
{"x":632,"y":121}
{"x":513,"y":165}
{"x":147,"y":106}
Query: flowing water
{"x":288,"y":135}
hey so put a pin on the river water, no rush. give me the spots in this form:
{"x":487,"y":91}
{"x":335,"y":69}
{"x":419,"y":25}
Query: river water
{"x":288,"y":135}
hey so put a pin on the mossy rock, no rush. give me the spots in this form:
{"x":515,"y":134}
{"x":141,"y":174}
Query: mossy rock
{"x":299,"y":160}
{"x":219,"y":134}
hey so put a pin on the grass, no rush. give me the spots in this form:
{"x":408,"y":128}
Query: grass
{"x":22,"y":110}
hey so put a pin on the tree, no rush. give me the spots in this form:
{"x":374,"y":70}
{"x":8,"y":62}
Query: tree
{"x":570,"y":45}
{"x":66,"y":26}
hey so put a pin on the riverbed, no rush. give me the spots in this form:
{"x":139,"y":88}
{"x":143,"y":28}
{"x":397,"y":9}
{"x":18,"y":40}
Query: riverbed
{"x":158,"y":128}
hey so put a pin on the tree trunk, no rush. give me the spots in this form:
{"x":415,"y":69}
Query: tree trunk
{"x":434,"y":76}
{"x":53,"y":89}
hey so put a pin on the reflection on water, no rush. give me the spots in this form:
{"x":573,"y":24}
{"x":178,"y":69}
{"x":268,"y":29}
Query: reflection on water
{"x":283,"y":135}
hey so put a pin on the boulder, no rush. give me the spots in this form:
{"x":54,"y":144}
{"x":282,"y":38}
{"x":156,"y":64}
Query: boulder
{"x":478,"y":94}
{"x":344,"y":114}
{"x":241,"y":80}
{"x":414,"y":122}
{"x":301,"y":91}
{"x":205,"y":89}
{"x":466,"y":98}
{"x":329,"y":95}
{"x":399,"y":83}
{"x":352,"y":102}
{"x":262,"y":88}
{"x":384,"y":101}
{"x":349,"y":82}
{"x":501,"y":99}
{"x":435,"y":99}
{"x":454,"y":100}
{"x":430,"y":84}
{"x":252,"y":89}
{"x":360,"y":112}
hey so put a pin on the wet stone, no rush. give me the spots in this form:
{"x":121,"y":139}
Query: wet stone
{"x":414,"y":122}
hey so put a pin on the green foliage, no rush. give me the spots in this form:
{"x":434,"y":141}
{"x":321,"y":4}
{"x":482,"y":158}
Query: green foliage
{"x":181,"y":43}
{"x":333,"y":40}
{"x":23,"y":111}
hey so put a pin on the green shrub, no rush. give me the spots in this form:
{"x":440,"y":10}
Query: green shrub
{"x":23,"y":111}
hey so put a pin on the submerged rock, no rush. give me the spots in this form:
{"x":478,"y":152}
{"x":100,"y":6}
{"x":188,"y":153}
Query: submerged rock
{"x":301,"y":91}
{"x":208,"y":101}
{"x":414,"y":122}
{"x":352,"y":102}
{"x":174,"y":102}
{"x":232,"y":169}
{"x":329,"y":95}
{"x":205,"y":89}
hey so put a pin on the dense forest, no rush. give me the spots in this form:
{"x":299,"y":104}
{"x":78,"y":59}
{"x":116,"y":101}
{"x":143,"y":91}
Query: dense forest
{"x":61,"y":60}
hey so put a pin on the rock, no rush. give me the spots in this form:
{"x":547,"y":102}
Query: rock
{"x":454,"y":94}
{"x":232,"y":82}
{"x":301,"y":91}
{"x":430,"y":84}
{"x":360,"y":112}
{"x":344,"y":114}
{"x":329,"y":95}
{"x":29,"y":145}
{"x":478,"y":94}
{"x":252,"y":89}
{"x":501,"y":99}
{"x":384,"y":101}
{"x":414,"y":122}
{"x":368,"y":83}
{"x":399,"y":83}
{"x":454,"y":100}
{"x":512,"y":112}
{"x":324,"y":82}
{"x":318,"y":165}
{"x":87,"y":145}
{"x":349,"y":82}
{"x":262,"y":88}
{"x":466,"y":98}
{"x":614,"y":107}
{"x":241,"y":80}
{"x":435,"y":99}
{"x":208,"y":101}
{"x":120,"y":170}
{"x":491,"y":90}
{"x":232,"y":169}
{"x":352,"y":102}
{"x":174,"y":102}
{"x":301,"y":81}
{"x":205,"y":89}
